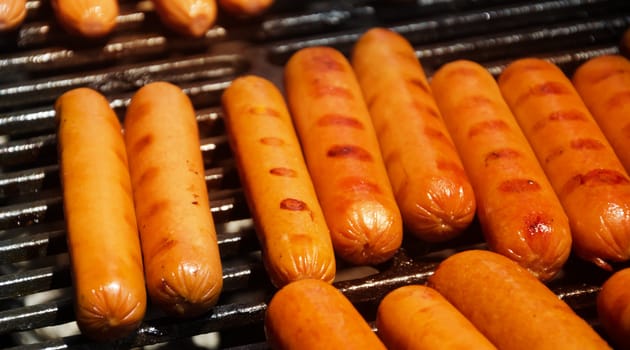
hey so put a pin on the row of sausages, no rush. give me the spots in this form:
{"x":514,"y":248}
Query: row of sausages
{"x":361,"y":151}
{"x":136,"y":208}
{"x":97,"y":18}
{"x":475,"y":299}
{"x":374,"y":147}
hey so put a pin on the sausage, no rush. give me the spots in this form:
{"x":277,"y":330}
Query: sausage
{"x":289,"y":221}
{"x":343,"y":155}
{"x":518,"y":210}
{"x":182,"y":263}
{"x":188,"y":17}
{"x":245,"y":8}
{"x":587,"y":176}
{"x":613,"y":308}
{"x":430,"y":322}
{"x":108,"y":277}
{"x":312,"y":314}
{"x":12,"y":14}
{"x":604,"y":85}
{"x":435,"y":197}
{"x":88,"y":18}
{"x":510,"y":306}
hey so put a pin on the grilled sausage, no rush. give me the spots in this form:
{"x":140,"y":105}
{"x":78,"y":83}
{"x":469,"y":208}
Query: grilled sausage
{"x":435,"y":197}
{"x":604,"y":85}
{"x":187,"y":17}
{"x":290,"y":224}
{"x":12,"y":14}
{"x":512,"y":308}
{"x":245,"y":8}
{"x":181,"y":254}
{"x":519,"y":212}
{"x":587,"y":176}
{"x":613,"y":308}
{"x":312,"y":314}
{"x":418,"y":317}
{"x":107,"y":274}
{"x":89,"y":18}
{"x":343,"y":156}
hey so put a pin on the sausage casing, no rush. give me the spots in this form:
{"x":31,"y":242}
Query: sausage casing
{"x":245,"y":8}
{"x":510,"y":306}
{"x":519,"y":212}
{"x":289,"y":221}
{"x":435,"y":197}
{"x":89,"y":18}
{"x":613,"y":308}
{"x":182,"y":263}
{"x":187,"y":17}
{"x":418,"y":317}
{"x":312,"y":314}
{"x":343,"y":155}
{"x":102,"y":235}
{"x":583,"y":169}
{"x":604,"y":84}
{"x":12,"y":14}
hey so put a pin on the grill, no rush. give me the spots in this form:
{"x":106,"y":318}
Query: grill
{"x":39,"y":61}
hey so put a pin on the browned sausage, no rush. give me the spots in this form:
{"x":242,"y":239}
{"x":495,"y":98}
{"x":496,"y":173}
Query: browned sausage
{"x":604,"y":85}
{"x":343,"y":155}
{"x":418,"y":317}
{"x":613,"y":308}
{"x":290,"y":224}
{"x":12,"y":14}
{"x":89,"y":18}
{"x":311,"y":314}
{"x":512,"y":308}
{"x":102,"y":234}
{"x":587,"y":176}
{"x":181,"y":254}
{"x":188,"y":17}
{"x":245,"y":8}
{"x":519,"y":212}
{"x":433,"y":192}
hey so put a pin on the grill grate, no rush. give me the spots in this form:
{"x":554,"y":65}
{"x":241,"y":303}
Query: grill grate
{"x":39,"y":62}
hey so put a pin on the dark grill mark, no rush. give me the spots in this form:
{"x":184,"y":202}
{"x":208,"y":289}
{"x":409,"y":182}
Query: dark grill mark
{"x":436,"y":134}
{"x":164,"y":246}
{"x":358,"y":184}
{"x":587,"y":144}
{"x":423,"y":109}
{"x":349,"y":151}
{"x":546,"y":89}
{"x":596,"y":177}
{"x":608,"y":74}
{"x":283,"y":172}
{"x":487,"y":126}
{"x":519,"y":185}
{"x":554,"y":154}
{"x":264,"y":111}
{"x":339,"y":120}
{"x":142,"y":143}
{"x":293,"y":204}
{"x":157,"y":207}
{"x":503,"y":153}
{"x":325,"y":62}
{"x":148,"y":175}
{"x":560,"y":116}
{"x":322,"y":90}
{"x":450,"y":166}
{"x":618,"y":100}
{"x":419,"y":84}
{"x":272,"y":141}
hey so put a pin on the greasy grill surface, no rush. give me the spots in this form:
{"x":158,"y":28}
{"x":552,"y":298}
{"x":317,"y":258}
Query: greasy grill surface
{"x":39,"y":61}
